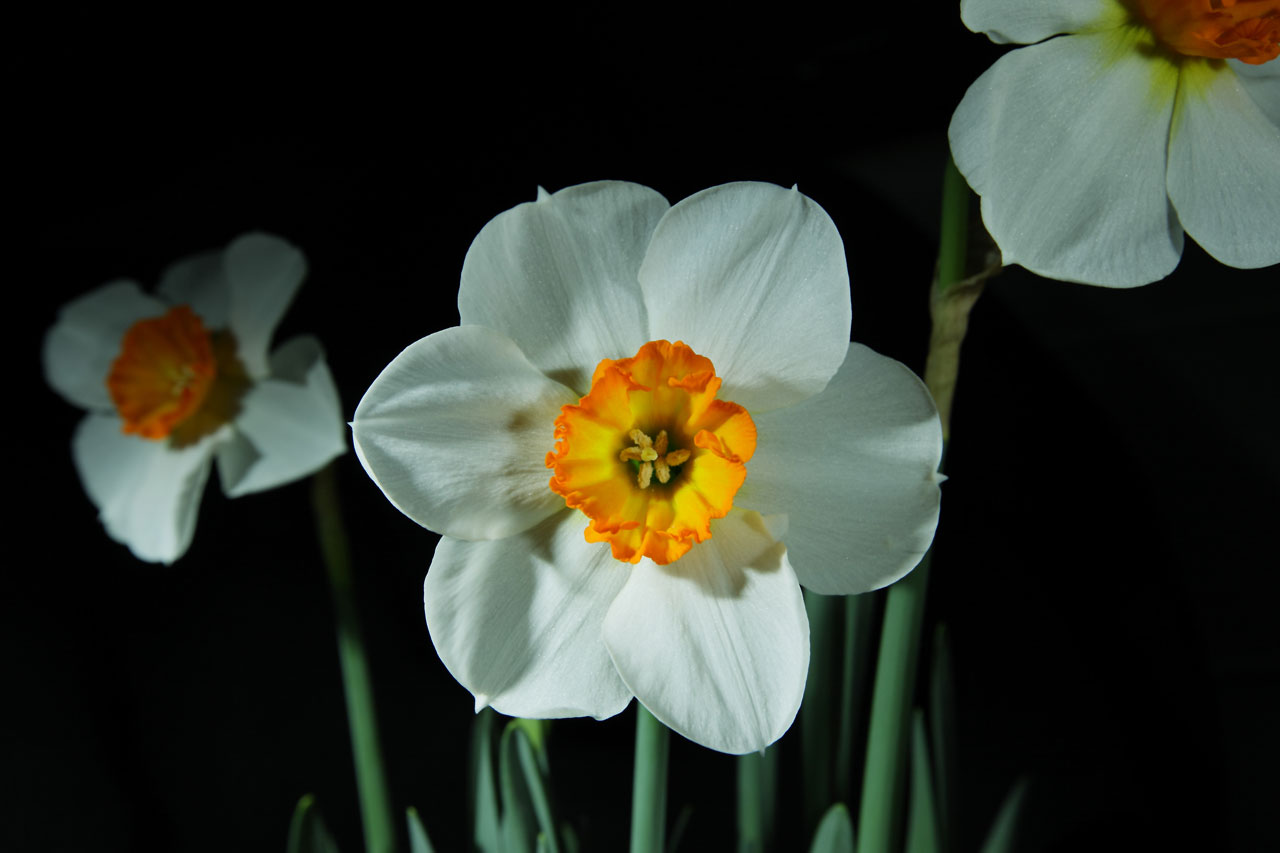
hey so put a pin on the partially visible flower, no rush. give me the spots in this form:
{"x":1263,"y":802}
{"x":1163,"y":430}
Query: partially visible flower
{"x":174,"y":380}
{"x":685,"y":376}
{"x":1094,"y":150}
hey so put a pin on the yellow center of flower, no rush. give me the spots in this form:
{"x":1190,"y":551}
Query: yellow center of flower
{"x":1247,"y":30}
{"x":163,"y":373}
{"x":650,"y":455}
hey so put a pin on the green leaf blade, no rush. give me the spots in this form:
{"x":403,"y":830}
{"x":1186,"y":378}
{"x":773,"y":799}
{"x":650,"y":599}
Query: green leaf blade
{"x":835,"y":832}
{"x":307,"y":830}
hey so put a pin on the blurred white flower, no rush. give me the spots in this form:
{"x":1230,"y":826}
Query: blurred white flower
{"x":1126,"y":122}
{"x":173,"y":380}
{"x":563,"y":361}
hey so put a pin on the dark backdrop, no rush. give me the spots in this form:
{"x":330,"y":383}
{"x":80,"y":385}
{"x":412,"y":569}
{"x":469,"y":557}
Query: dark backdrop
{"x":1104,"y":557}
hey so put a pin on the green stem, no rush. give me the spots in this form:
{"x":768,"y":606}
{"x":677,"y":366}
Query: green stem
{"x":371,"y":781}
{"x":952,"y":297}
{"x":649,"y":786}
{"x":859,"y":617}
{"x":757,"y":800}
{"x":954,"y":236}
{"x":884,"y":776}
{"x":817,"y":711}
{"x":879,"y":818}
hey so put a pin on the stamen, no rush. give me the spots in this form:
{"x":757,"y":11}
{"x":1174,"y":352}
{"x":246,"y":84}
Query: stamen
{"x":645,"y":445}
{"x":653,"y":457}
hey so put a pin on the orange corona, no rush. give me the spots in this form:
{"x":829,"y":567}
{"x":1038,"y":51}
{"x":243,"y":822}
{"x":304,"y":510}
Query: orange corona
{"x":1247,"y":30}
{"x":650,"y":455}
{"x":163,"y":373}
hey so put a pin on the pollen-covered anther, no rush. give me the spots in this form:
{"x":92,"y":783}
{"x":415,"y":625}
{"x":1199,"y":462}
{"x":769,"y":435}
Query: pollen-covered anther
{"x":653,"y":457}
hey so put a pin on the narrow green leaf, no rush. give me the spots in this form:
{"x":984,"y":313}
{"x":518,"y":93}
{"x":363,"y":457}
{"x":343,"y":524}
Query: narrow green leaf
{"x":922,"y":812}
{"x":537,"y":731}
{"x":835,"y":832}
{"x":534,"y":767}
{"x":818,"y":710}
{"x":418,"y":840}
{"x":679,"y":828}
{"x":307,"y":830}
{"x":942,"y":724}
{"x":519,"y":823}
{"x":569,"y":838}
{"x":1004,"y":829}
{"x":485,"y":815}
{"x":544,"y":846}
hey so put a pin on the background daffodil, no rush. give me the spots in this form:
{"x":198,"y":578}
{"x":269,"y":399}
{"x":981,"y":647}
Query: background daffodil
{"x":173,"y":380}
{"x":569,"y":307}
{"x":1122,"y":125}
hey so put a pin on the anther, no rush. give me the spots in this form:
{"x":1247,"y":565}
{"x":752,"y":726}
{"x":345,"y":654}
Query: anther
{"x":653,"y":457}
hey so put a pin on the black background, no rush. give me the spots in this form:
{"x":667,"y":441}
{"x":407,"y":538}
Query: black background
{"x":1105,"y":559}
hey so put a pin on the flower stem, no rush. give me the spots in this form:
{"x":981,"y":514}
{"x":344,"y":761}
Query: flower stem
{"x":818,"y":722}
{"x":757,"y":800}
{"x":879,"y":818}
{"x":859,"y":642}
{"x":884,"y":777}
{"x":954,"y":235}
{"x":371,"y":781}
{"x":952,"y":296}
{"x":649,"y":786}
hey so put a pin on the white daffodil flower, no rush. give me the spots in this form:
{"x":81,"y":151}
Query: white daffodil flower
{"x":613,"y":505}
{"x":173,"y":380}
{"x":1094,"y":150}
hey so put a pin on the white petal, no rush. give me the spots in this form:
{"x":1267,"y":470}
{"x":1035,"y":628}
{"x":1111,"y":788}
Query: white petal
{"x":1262,"y":82}
{"x":558,"y":276}
{"x":716,"y":644}
{"x":295,"y":361}
{"x":264,"y":272}
{"x":1027,"y":21}
{"x":147,"y":492}
{"x":201,"y":282}
{"x":1224,"y":168}
{"x":518,"y":621}
{"x":85,"y":340}
{"x":855,"y":469}
{"x":455,"y":432}
{"x":287,"y":428}
{"x":753,"y":276}
{"x":1065,"y":142}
